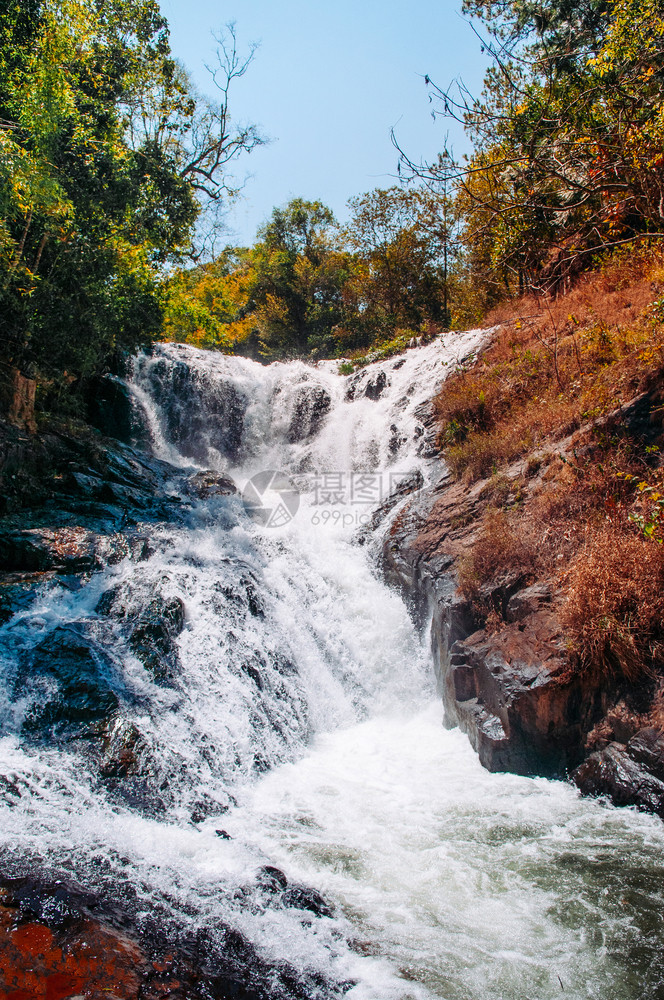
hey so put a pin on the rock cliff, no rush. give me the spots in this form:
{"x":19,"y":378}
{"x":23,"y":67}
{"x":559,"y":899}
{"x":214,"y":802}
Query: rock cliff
{"x":508,"y":679}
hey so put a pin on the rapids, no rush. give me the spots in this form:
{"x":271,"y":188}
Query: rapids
{"x":300,"y":728}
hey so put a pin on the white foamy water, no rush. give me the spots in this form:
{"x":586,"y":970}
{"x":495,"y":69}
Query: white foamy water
{"x":302,"y":723}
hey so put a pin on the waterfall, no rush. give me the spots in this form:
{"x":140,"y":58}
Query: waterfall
{"x":259,"y":710}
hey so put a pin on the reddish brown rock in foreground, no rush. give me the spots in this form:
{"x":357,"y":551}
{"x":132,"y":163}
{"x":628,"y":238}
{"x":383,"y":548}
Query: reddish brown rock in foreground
{"x":77,"y":957}
{"x":59,"y":941}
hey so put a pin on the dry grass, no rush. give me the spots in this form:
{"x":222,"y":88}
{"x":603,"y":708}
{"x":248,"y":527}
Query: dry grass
{"x":614,"y":609}
{"x":555,"y":365}
{"x":497,"y":550}
{"x":588,"y":515}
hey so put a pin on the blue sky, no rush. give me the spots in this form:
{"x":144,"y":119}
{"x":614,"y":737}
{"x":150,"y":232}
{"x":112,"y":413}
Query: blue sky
{"x":328,"y":82}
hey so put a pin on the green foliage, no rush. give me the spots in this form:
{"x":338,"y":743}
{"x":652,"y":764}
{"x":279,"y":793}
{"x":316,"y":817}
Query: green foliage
{"x":102,"y":144}
{"x":650,"y":518}
{"x":568,"y":137}
{"x":309,"y":288}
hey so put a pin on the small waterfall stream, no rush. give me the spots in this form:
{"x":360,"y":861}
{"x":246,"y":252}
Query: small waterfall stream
{"x":294,"y":729}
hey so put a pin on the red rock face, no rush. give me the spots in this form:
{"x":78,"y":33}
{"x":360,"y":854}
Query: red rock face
{"x":90,"y":960}
{"x":59,"y":941}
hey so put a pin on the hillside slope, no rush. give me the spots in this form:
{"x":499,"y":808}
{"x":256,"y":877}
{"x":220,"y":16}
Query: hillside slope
{"x":539,"y":550}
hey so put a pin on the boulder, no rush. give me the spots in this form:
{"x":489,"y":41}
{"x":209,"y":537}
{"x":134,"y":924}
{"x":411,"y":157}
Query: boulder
{"x":309,"y":408}
{"x":154,"y":629}
{"x":62,"y":941}
{"x":511,"y":694}
{"x":68,"y":682}
{"x":211,"y":484}
{"x":63,"y":550}
{"x":376,"y":386}
{"x":200,"y":412}
{"x":629,"y":774}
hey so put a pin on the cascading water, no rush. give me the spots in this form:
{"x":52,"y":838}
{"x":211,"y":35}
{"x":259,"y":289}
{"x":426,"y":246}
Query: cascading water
{"x":291,"y":726}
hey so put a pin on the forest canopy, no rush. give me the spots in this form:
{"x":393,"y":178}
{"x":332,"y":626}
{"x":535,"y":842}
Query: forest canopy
{"x":113,"y":170}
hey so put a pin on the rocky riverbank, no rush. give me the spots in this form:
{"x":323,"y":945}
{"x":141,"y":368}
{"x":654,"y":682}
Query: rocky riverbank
{"x":74,"y":502}
{"x":506,"y":672}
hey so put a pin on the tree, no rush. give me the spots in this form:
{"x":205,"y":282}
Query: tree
{"x":103,"y":145}
{"x":567,"y":134}
{"x":406,"y":238}
{"x":299,"y":276}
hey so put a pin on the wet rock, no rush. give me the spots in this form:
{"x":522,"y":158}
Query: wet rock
{"x":200,"y":413}
{"x":301,"y":897}
{"x":10,"y":792}
{"x":406,"y":486}
{"x":69,"y":683}
{"x":18,"y":590}
{"x":59,"y":941}
{"x":153,"y":630}
{"x":124,"y":750}
{"x":629,"y":775}
{"x":397,"y":440}
{"x":79,"y":480}
{"x":271,"y":878}
{"x":292,"y":895}
{"x":365,"y":384}
{"x":111,"y":408}
{"x":376,"y":386}
{"x":211,"y":484}
{"x":153,"y":638}
{"x":510,"y":689}
{"x":310,"y":406}
{"x":68,"y":550}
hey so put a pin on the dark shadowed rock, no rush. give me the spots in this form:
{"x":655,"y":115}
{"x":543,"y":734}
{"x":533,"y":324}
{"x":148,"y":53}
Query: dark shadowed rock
{"x":154,"y":628}
{"x":310,"y":406}
{"x":300,"y":897}
{"x":18,"y":590}
{"x":292,"y":895}
{"x":527,"y":601}
{"x":111,"y":408}
{"x":69,"y":682}
{"x":376,"y":386}
{"x":510,"y":694}
{"x":200,"y":412}
{"x":628,"y":775}
{"x":153,"y":638}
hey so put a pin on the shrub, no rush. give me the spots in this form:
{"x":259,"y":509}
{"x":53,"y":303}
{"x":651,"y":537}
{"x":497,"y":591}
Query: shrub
{"x":614,"y":612}
{"x":496,"y":550}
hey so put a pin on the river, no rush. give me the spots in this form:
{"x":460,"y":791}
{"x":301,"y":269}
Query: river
{"x":300,"y":734}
